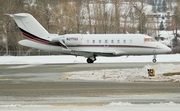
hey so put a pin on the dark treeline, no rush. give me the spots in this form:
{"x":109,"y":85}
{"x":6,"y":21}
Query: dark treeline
{"x":77,"y":16}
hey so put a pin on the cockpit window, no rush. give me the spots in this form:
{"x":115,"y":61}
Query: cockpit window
{"x":149,"y":40}
{"x":154,"y":40}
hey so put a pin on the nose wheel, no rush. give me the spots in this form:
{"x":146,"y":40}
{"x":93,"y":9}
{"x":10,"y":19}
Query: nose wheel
{"x":154,"y":60}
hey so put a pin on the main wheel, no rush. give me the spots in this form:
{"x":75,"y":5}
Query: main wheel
{"x":89,"y":60}
{"x":154,"y":60}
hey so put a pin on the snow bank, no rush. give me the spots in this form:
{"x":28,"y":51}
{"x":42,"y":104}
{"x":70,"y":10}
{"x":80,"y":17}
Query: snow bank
{"x":122,"y":75}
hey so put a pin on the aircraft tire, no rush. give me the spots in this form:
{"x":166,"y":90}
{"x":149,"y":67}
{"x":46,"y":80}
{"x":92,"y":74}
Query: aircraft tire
{"x":89,"y":60}
{"x":154,"y":60}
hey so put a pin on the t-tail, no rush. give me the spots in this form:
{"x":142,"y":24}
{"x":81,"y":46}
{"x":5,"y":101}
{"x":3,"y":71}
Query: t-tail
{"x":31,"y":28}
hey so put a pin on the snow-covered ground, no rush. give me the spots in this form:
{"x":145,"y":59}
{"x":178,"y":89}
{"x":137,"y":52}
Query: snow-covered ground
{"x":114,"y":106}
{"x":118,"y":75}
{"x":135,"y":74}
{"x":73,"y":59}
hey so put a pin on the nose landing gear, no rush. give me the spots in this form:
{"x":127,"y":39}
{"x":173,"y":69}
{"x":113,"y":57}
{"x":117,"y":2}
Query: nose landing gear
{"x":154,"y":57}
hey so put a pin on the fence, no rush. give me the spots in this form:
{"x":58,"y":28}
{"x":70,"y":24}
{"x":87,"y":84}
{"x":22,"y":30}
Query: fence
{"x":26,"y":53}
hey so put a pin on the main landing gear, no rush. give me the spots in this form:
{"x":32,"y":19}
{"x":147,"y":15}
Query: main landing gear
{"x":91,"y":59}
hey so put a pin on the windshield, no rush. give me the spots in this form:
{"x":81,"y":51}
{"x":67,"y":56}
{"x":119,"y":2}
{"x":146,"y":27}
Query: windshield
{"x":149,"y":40}
{"x":153,"y":40}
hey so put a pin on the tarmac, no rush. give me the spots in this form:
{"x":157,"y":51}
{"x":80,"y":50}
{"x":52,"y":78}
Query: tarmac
{"x":40,"y":84}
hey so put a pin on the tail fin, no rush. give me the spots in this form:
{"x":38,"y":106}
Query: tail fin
{"x":30,"y":27}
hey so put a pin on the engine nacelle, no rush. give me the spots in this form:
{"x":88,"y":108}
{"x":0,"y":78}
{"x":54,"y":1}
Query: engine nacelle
{"x":73,"y":39}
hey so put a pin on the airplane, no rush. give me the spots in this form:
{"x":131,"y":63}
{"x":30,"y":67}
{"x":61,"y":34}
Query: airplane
{"x":88,"y":45}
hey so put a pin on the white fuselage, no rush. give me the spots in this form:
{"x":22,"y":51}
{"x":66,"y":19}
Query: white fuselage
{"x":104,"y":45}
{"x":87,"y":45}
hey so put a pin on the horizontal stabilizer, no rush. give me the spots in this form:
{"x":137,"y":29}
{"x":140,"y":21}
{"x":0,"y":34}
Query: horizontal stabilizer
{"x":21,"y":15}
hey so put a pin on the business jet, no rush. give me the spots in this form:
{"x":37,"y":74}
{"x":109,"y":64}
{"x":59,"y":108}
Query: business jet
{"x":88,"y":45}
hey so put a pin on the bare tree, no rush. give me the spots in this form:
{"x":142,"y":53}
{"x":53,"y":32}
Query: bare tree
{"x":141,"y":16}
{"x":9,"y":35}
{"x":176,"y":24}
{"x":117,"y":16}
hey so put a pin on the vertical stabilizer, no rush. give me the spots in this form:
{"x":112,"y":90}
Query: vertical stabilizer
{"x":29,"y":26}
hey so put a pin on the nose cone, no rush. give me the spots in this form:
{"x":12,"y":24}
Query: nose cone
{"x":164,"y":49}
{"x":168,"y":50}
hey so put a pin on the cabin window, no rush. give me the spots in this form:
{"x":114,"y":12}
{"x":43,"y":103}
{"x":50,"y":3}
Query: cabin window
{"x":112,"y":41}
{"x":130,"y":41}
{"x":124,"y":41}
{"x":88,"y":41}
{"x":99,"y":41}
{"x":93,"y":41}
{"x":106,"y":41}
{"x":118,"y":41}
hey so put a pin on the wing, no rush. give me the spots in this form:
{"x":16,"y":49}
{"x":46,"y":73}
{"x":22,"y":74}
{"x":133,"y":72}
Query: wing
{"x":96,"y":53}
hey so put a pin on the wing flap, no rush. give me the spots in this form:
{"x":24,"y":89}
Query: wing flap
{"x":97,"y":53}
